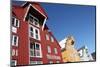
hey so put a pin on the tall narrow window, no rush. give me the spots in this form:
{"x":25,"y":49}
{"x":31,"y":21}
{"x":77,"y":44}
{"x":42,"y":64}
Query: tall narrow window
{"x":55,"y":50}
{"x":14,"y":40}
{"x":13,"y":21}
{"x":52,"y":39}
{"x":36,"y":34}
{"x":47,"y":37}
{"x":31,"y":32}
{"x":49,"y":49}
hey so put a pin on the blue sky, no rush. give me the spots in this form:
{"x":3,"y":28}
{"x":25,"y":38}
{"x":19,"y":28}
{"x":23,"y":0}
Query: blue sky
{"x":75,"y":20}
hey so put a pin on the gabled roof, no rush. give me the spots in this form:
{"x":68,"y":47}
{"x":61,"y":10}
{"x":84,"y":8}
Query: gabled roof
{"x":37,"y":6}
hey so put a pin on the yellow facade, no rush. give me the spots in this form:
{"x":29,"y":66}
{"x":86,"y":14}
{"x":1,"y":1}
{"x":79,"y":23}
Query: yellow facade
{"x":70,"y":54}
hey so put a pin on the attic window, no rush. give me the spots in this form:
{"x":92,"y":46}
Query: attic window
{"x":33,"y":20}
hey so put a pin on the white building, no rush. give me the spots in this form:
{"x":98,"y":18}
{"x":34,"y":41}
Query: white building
{"x":84,"y":54}
{"x":62,"y":43}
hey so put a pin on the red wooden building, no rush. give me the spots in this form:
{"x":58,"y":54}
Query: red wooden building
{"x":32,"y":41}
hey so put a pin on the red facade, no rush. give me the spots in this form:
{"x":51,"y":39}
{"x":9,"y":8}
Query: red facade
{"x":32,"y":41}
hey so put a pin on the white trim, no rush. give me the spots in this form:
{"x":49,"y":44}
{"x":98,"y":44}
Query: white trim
{"x":23,"y":4}
{"x":26,"y":12}
{"x":44,"y":23}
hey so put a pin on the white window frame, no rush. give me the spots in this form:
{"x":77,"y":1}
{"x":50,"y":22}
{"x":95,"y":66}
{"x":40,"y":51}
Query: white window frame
{"x":13,"y":61}
{"x":55,"y":51}
{"x":34,"y":21}
{"x":13,"y":36}
{"x":34,"y":33}
{"x":35,"y":51}
{"x":52,"y":39}
{"x":36,"y":62}
{"x":15,"y":19}
{"x":47,"y":37}
{"x":48,"y":49}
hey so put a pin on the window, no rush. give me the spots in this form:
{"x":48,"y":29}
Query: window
{"x":49,"y":49}
{"x":33,"y":20}
{"x":34,"y":32}
{"x":50,"y":62}
{"x":31,"y":32}
{"x":35,"y":50}
{"x":47,"y":37}
{"x":36,"y":62}
{"x":14,"y":40}
{"x":52,"y":39}
{"x":13,"y":62}
{"x":14,"y":52}
{"x":55,"y":50}
{"x":15,"y":22}
{"x":57,"y":61}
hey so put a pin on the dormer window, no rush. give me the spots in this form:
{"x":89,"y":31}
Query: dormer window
{"x":33,"y":20}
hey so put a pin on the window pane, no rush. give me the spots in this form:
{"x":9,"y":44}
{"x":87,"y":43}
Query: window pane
{"x":37,"y":47}
{"x":36,"y":31}
{"x":15,"y":40}
{"x":16,"y":22}
{"x":13,"y":20}
{"x":31,"y":28}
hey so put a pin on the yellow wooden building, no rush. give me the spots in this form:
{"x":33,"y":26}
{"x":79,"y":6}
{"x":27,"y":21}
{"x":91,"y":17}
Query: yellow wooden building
{"x":69,"y":53}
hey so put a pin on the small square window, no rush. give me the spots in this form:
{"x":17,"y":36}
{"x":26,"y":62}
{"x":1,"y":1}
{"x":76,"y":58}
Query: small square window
{"x":13,"y":62}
